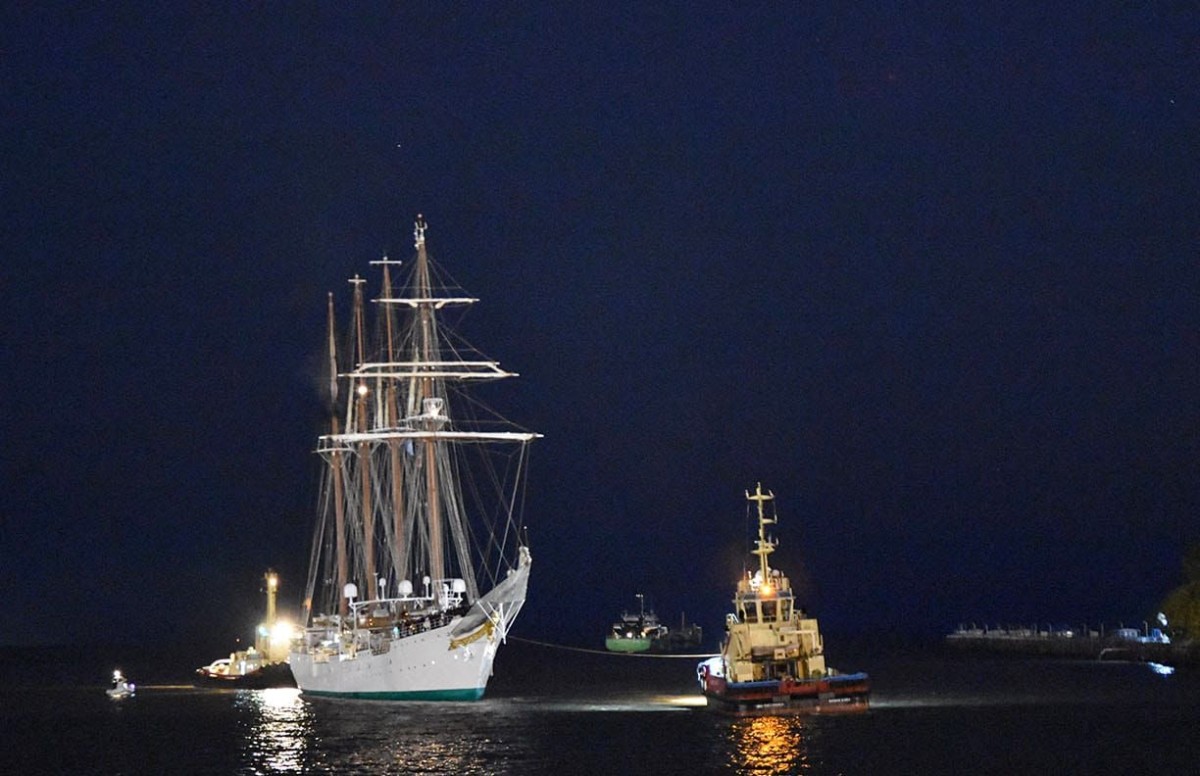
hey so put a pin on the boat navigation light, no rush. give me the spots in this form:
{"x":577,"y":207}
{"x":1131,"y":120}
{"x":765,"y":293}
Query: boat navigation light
{"x":766,"y":591}
{"x":363,"y":390}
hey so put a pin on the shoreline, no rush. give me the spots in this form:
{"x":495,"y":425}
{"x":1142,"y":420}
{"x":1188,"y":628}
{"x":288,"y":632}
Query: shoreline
{"x":1091,"y":646}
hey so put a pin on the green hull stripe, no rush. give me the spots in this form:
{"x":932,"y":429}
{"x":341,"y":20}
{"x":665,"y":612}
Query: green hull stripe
{"x":469,"y":694}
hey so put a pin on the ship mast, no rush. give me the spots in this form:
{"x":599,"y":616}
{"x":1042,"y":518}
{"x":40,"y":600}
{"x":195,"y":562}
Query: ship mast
{"x":398,"y":436}
{"x":366,"y":509}
{"x":335,"y":466}
{"x":424,"y":346}
{"x":764,"y":546}
{"x":272,"y":580}
{"x":399,"y":557}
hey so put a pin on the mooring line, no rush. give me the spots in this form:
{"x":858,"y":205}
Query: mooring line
{"x":608,"y":652}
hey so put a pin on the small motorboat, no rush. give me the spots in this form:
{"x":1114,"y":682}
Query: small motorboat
{"x":121,"y":687}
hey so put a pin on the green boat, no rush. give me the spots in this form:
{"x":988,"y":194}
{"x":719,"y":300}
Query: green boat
{"x":636,"y":632}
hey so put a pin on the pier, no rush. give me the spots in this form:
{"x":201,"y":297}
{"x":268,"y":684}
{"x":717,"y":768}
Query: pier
{"x":1120,"y":644}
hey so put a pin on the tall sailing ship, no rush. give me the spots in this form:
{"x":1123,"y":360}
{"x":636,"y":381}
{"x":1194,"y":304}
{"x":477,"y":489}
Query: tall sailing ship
{"x":419,"y":564}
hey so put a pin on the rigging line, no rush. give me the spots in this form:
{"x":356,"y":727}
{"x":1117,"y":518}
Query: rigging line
{"x":607,"y":652}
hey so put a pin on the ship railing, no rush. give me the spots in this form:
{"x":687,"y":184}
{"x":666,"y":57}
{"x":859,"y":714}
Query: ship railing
{"x":451,"y":592}
{"x":396,"y":618}
{"x":362,"y":613}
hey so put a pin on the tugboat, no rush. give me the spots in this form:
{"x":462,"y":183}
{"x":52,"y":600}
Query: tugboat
{"x":261,"y":666}
{"x":773,"y":658}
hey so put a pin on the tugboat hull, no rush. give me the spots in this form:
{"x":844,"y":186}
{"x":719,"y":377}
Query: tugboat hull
{"x":842,"y":694}
{"x":268,"y":676}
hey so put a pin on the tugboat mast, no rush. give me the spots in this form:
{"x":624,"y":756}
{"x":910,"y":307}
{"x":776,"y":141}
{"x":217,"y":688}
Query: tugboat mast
{"x":764,"y":546}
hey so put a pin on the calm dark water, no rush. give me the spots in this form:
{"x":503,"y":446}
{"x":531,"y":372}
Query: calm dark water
{"x":550,"y":712}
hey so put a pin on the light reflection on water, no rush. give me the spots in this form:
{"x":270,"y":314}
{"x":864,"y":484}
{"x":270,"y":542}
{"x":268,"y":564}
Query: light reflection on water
{"x":375,"y":737}
{"x":769,"y":745}
{"x":278,"y":728}
{"x":605,"y":728}
{"x":548,"y":714}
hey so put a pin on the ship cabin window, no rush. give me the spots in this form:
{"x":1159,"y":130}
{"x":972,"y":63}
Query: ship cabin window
{"x":768,"y":610}
{"x":747,"y":615}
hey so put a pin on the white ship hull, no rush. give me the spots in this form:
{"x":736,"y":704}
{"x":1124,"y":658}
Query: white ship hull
{"x":422,"y":667}
{"x":451,"y":662}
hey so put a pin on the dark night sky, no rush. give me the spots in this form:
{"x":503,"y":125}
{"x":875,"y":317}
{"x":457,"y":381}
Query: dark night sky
{"x":930,"y":276}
